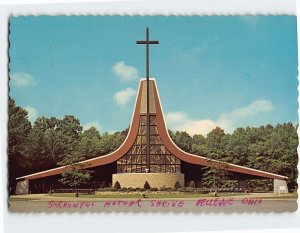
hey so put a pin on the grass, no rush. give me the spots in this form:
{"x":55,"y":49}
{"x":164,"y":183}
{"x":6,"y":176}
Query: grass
{"x":293,"y":195}
{"x":149,"y":195}
{"x":22,"y":199}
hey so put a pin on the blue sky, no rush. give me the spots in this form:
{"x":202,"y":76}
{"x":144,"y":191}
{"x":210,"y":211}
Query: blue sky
{"x":228,"y":71}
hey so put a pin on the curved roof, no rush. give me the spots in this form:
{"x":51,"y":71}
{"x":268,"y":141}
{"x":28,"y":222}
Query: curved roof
{"x":155,"y":108}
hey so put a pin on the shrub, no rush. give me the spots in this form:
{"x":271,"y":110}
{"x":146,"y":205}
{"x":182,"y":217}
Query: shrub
{"x":104,"y":189}
{"x":163,"y":188}
{"x":103,"y":184}
{"x":130,"y":189}
{"x":190,"y":189}
{"x":202,"y":191}
{"x":192,"y":184}
{"x":181,"y":189}
{"x":123,"y":189}
{"x":177,"y":185}
{"x":147,"y":185}
{"x":140,"y":189}
{"x":154,"y":189}
{"x":117,"y":185}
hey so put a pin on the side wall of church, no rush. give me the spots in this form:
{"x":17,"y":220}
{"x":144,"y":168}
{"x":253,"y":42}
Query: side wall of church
{"x":155,"y":180}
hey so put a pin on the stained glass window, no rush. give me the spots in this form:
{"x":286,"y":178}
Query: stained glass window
{"x":161,"y":160}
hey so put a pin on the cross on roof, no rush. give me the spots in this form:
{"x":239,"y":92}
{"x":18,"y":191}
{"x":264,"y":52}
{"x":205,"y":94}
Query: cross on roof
{"x":147,"y":42}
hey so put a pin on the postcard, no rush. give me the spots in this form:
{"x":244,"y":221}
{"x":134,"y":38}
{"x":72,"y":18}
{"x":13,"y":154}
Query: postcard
{"x":152,"y":114}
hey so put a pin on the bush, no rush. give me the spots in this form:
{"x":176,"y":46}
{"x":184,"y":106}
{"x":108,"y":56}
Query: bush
{"x":104,"y":189}
{"x":192,"y":184}
{"x":117,"y":185}
{"x":147,"y":185}
{"x":177,"y":185}
{"x":190,"y":189}
{"x":103,"y":184}
{"x":163,"y":188}
{"x":202,"y":191}
{"x":140,"y":189}
{"x":130,"y":189}
{"x":123,"y":189}
{"x":154,"y":189}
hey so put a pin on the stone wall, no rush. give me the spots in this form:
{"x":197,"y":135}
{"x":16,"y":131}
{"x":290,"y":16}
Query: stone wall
{"x":22,"y":187}
{"x":280,"y":185}
{"x":155,"y":180}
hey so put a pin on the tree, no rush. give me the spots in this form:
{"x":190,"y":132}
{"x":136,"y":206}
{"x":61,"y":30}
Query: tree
{"x":199,"y":146}
{"x":19,"y":128}
{"x":42,"y":144}
{"x":215,"y":175}
{"x":183,"y":140}
{"x":75,"y":174}
{"x":89,"y":145}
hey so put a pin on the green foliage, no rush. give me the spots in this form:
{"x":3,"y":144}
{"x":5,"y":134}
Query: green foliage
{"x":89,"y":145}
{"x":268,"y":148}
{"x":52,"y":142}
{"x":147,"y":185}
{"x":19,"y":128}
{"x":75,"y":174}
{"x":154,"y":189}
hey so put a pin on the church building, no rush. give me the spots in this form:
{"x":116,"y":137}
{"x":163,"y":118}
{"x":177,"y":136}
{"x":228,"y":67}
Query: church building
{"x":148,"y":153}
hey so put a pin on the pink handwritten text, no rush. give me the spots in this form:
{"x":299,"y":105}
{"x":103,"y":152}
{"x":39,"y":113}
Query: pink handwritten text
{"x":164,"y":203}
{"x":70,"y":204}
{"x":124,"y":203}
{"x":215,"y":202}
{"x":251,"y":201}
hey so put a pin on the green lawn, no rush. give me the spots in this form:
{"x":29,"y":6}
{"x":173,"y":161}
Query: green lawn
{"x":148,"y":195}
{"x":22,"y":199}
{"x":293,"y":195}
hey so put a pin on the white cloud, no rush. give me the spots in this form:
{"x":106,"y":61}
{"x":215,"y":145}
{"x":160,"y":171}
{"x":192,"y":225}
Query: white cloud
{"x":181,"y":121}
{"x":88,"y":125}
{"x":198,"y":126}
{"x":32,"y":113}
{"x":22,"y":79}
{"x":176,"y":117}
{"x":124,"y":96}
{"x":228,"y":121}
{"x":125,"y":72}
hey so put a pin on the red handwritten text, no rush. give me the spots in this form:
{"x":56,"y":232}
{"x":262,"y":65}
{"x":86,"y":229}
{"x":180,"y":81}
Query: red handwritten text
{"x":251,"y":201}
{"x":164,"y":203}
{"x":111,"y":203}
{"x":70,"y":204}
{"x":215,"y":202}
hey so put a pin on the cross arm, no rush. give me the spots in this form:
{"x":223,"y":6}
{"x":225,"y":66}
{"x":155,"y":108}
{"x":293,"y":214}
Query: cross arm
{"x":147,"y":42}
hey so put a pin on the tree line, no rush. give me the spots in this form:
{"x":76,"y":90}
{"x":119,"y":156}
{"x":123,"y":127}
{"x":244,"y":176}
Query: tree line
{"x":52,"y":142}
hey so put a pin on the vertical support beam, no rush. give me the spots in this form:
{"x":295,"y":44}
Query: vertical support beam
{"x":147,"y":42}
{"x":148,"y":115}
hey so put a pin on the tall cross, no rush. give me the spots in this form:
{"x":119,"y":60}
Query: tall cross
{"x":147,"y":42}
